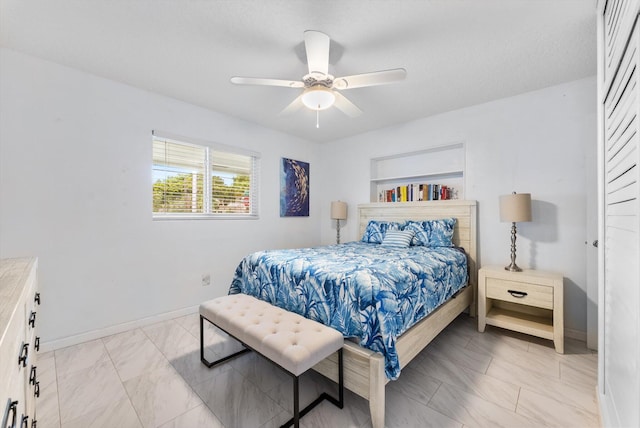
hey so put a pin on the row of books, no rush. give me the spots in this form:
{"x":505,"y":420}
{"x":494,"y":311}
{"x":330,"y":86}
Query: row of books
{"x":417,"y":192}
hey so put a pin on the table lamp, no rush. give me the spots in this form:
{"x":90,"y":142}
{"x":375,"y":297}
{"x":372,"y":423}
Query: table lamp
{"x":338,"y":212}
{"x":515,"y":208}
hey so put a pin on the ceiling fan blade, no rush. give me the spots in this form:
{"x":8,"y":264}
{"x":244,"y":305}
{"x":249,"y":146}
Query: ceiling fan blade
{"x":293,"y":107}
{"x":346,"y":106}
{"x":266,"y":82}
{"x":317,"y":46}
{"x":370,"y":79}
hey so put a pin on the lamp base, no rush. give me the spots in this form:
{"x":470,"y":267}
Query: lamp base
{"x":513,"y":268}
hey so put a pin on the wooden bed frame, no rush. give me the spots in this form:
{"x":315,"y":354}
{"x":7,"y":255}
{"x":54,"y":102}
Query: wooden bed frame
{"x":363,"y":368}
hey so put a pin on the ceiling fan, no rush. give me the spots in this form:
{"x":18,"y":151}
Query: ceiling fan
{"x":321,"y":89}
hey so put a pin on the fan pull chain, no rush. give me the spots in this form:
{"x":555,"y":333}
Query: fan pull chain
{"x":318,"y":117}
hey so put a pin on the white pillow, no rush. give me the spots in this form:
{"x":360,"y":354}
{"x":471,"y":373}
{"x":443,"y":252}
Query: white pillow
{"x":398,"y":238}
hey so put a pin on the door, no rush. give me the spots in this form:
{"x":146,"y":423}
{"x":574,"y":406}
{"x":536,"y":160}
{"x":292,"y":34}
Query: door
{"x":619,"y":222}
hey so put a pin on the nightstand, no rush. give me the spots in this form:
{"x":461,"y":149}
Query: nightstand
{"x":530,"y":302}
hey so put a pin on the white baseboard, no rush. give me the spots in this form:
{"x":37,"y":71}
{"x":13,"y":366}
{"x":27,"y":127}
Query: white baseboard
{"x":119,"y":328}
{"x":575,"y":334}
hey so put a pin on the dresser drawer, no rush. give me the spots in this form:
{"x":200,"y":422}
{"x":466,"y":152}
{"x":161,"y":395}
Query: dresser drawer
{"x":12,"y":370}
{"x":522,"y":293}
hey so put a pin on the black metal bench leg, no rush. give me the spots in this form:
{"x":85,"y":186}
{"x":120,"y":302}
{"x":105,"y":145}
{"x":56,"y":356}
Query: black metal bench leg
{"x":296,"y":401}
{"x":210,"y":364}
{"x":340,"y":403}
{"x":297,"y":414}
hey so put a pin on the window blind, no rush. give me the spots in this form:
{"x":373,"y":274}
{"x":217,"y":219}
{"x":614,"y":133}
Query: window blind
{"x":178,"y":175}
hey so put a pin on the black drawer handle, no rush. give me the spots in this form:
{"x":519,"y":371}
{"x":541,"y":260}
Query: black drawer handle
{"x":33,"y":375}
{"x":32,"y":319}
{"x":36,"y":345}
{"x":37,"y":300}
{"x":517,"y":294}
{"x":11,"y":414}
{"x":34,"y":423}
{"x":24,"y":354}
{"x":36,"y":390}
{"x":25,"y":421}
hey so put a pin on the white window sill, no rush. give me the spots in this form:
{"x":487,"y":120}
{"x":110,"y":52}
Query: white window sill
{"x":162,"y":217}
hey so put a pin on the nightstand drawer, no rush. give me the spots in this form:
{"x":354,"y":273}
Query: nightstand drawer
{"x":522,"y":293}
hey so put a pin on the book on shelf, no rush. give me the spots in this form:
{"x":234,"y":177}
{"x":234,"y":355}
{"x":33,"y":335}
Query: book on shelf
{"x":417,"y":192}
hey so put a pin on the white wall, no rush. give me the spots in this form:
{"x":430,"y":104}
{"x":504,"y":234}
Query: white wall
{"x":535,"y":142}
{"x":75,"y":190}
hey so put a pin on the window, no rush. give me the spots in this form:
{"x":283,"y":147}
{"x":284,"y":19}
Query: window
{"x":203,"y":180}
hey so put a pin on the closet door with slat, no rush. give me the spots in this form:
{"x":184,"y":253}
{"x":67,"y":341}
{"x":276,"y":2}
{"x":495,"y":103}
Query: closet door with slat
{"x":618,"y":22}
{"x":619,"y":365}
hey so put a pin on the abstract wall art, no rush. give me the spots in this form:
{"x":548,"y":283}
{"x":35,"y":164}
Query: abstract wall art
{"x":294,"y":188}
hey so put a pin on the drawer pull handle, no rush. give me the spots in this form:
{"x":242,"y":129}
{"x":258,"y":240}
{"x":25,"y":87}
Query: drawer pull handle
{"x":37,"y":298}
{"x":24,"y":354}
{"x":34,"y":423}
{"x":25,"y":421}
{"x":11,"y":414}
{"x":36,"y":345}
{"x":33,"y":375}
{"x":32,"y":319}
{"x":517,"y":294}
{"x":36,"y":390}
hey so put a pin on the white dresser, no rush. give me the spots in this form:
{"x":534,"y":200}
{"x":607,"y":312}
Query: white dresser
{"x":19,"y":343}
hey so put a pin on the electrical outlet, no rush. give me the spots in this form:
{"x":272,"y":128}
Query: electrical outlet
{"x":206,"y":279}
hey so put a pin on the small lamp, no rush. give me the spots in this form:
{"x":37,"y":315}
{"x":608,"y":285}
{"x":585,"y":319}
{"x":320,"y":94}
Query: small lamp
{"x":515,"y":208}
{"x":338,"y":212}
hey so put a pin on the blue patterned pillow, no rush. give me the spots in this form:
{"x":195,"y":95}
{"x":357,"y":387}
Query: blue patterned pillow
{"x":376,"y":230}
{"x":432,"y":233}
{"x":397,"y":238}
{"x":420,"y":231}
{"x":441,"y":233}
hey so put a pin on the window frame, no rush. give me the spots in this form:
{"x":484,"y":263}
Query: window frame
{"x":209,"y":146}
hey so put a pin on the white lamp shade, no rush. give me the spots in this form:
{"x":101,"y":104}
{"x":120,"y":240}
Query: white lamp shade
{"x":338,"y":210}
{"x":318,"y":98}
{"x":515,"y":208}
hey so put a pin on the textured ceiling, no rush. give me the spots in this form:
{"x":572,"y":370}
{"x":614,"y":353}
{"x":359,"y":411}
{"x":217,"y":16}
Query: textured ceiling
{"x":457,"y":53}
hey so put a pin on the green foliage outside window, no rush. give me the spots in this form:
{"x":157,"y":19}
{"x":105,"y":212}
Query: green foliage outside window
{"x":175,"y":194}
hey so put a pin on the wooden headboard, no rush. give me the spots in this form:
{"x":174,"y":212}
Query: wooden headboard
{"x":464,"y":235}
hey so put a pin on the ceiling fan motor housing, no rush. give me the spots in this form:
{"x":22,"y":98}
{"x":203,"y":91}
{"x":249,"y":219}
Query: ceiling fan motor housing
{"x":313,"y":79}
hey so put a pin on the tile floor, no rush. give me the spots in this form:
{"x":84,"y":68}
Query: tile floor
{"x":152,"y":377}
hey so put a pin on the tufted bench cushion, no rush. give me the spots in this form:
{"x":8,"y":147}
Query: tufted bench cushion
{"x":290,"y":340}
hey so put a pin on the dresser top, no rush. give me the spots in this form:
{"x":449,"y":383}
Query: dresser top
{"x":13,"y":277}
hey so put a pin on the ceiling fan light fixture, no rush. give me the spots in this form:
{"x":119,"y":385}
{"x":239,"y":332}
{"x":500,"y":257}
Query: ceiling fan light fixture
{"x":318,"y":98}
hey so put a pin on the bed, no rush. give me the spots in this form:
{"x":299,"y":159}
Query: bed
{"x":354,"y":288}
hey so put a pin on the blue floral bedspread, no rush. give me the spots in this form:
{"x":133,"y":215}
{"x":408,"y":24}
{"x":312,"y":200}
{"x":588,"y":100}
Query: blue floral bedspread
{"x":366,"y":291}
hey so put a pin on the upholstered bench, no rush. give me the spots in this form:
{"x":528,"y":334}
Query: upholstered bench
{"x":291,"y":341}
